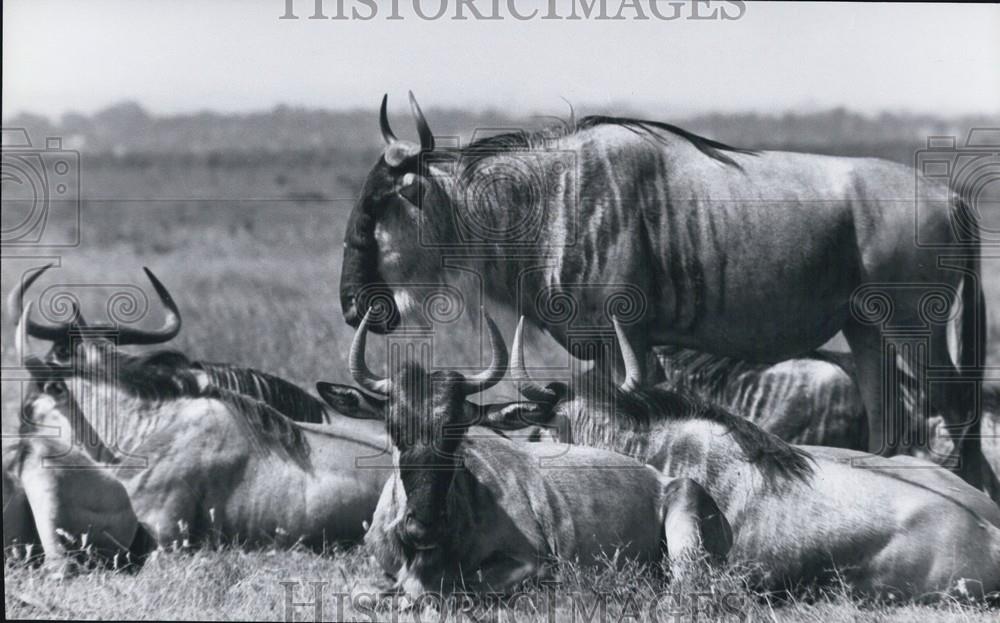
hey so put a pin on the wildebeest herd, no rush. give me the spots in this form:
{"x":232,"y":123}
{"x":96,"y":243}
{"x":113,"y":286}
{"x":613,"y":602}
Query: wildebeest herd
{"x":754,"y":449}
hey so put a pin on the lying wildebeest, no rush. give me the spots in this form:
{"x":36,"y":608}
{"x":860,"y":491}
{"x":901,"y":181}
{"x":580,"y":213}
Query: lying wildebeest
{"x":468,"y":508}
{"x":280,"y":394}
{"x":757,"y":255}
{"x":60,"y":498}
{"x":810,"y":400}
{"x":804,"y":514}
{"x":198,"y":461}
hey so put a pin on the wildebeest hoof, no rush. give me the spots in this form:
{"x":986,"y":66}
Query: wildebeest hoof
{"x":61,"y":570}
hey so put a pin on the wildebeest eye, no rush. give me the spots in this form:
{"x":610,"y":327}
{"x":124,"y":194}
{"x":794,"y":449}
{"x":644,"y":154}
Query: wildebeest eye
{"x":60,"y":352}
{"x":56,"y":389}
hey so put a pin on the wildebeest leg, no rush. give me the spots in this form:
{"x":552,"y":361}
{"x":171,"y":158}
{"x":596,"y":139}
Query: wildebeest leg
{"x":41,"y":490}
{"x":68,"y":502}
{"x":954,"y":399}
{"x":963,"y":409}
{"x":866,"y":346}
{"x":693,"y":524}
{"x":141,"y":547}
{"x":18,"y":524}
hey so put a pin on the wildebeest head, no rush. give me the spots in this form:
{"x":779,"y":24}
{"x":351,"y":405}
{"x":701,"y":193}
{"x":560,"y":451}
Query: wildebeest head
{"x":48,"y":403}
{"x":383,"y":241}
{"x":426,"y":420}
{"x":62,"y":335}
{"x":75,"y":388}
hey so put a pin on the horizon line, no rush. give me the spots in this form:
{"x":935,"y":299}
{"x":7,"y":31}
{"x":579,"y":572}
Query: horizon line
{"x":625,"y":106}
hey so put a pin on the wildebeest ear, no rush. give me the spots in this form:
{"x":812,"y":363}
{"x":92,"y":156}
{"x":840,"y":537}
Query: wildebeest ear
{"x":510,"y":415}
{"x":412,"y":189}
{"x":401,"y":153}
{"x":351,"y":402}
{"x":694,"y":525}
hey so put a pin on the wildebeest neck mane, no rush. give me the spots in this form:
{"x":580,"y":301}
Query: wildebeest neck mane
{"x":264,"y":425}
{"x":157,"y":376}
{"x":769,"y":453}
{"x":285,"y":397}
{"x":537,"y":139}
{"x":168,"y":375}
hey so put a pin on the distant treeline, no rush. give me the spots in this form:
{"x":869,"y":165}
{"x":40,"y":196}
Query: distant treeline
{"x":128,"y":131}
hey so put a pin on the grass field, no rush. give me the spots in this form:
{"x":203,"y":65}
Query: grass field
{"x":257,"y":282}
{"x":229,"y":584}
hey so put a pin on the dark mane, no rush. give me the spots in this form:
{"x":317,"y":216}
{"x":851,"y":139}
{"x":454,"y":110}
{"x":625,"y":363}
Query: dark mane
{"x":264,"y":426}
{"x":769,"y":453}
{"x":711,"y":148}
{"x":520,"y":140}
{"x":167,"y":375}
{"x":991,"y":398}
{"x":281,"y":395}
{"x":156,"y":376}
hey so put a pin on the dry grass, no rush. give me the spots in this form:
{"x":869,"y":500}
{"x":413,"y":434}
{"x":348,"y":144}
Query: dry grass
{"x":257,"y":283}
{"x":231,"y":584}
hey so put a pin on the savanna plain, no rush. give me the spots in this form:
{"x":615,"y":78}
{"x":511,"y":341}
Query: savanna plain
{"x":249,"y":244}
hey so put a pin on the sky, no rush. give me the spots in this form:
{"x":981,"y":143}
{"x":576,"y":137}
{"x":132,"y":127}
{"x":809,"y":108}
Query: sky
{"x":186,"y":55}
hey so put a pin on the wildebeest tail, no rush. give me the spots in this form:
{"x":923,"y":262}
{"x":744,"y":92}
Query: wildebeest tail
{"x":973,"y":317}
{"x":973,"y":339}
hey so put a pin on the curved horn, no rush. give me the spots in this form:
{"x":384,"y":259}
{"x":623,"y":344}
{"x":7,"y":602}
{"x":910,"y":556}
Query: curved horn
{"x":78,"y":318}
{"x":15,"y":309}
{"x":495,"y":372}
{"x":356,"y":361}
{"x":529,"y":389}
{"x":632,"y":375}
{"x":426,"y":137}
{"x":383,"y":122}
{"x":171,"y":326}
{"x":20,"y":335}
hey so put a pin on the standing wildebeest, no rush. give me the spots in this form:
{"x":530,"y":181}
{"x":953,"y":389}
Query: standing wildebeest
{"x":468,"y":507}
{"x":758,"y":255}
{"x":197,"y":460}
{"x":804,"y":514}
